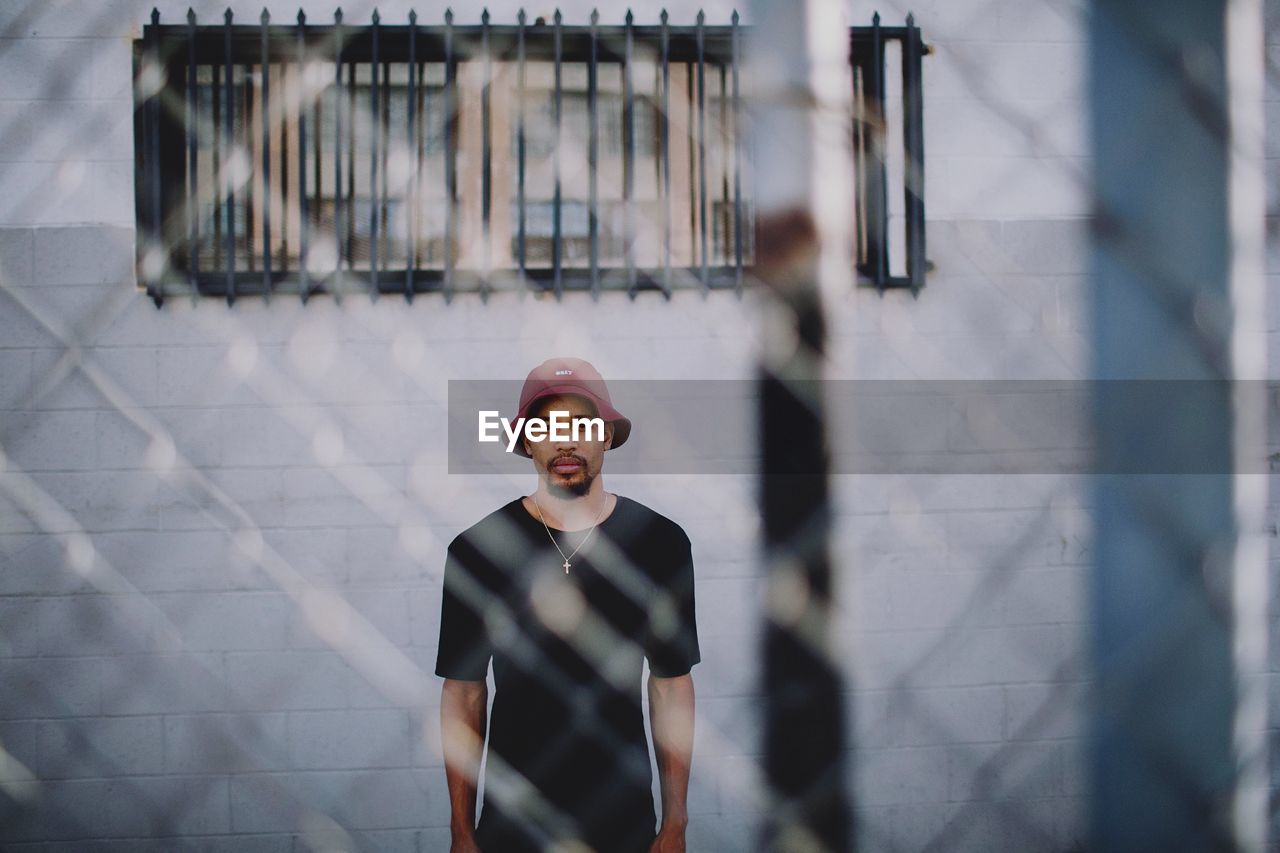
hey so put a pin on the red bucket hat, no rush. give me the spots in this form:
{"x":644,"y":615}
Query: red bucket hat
{"x":557,"y":376}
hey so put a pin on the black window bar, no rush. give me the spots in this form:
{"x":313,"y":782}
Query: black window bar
{"x":302,"y":158}
{"x":889,"y":243}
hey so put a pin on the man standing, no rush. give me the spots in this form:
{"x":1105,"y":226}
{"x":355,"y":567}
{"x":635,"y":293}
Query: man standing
{"x":566,"y":590}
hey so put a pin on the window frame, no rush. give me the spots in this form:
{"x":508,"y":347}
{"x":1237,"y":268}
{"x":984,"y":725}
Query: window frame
{"x":166,"y":152}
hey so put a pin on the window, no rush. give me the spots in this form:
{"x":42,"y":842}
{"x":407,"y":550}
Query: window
{"x":300,"y":158}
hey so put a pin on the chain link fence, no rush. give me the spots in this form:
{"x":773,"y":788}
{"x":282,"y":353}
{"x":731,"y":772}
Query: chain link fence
{"x":223,"y":527}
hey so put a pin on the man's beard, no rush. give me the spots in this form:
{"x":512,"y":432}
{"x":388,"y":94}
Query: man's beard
{"x":575,"y":489}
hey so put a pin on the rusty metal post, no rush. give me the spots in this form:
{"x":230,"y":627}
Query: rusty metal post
{"x":800,"y":85}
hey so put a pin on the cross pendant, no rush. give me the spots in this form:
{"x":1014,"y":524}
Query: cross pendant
{"x":566,"y":567}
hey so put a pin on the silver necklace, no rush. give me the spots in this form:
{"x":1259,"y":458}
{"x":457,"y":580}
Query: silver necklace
{"x":553,"y":538}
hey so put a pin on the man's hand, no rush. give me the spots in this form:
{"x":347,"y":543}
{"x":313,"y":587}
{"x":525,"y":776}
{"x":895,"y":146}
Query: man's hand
{"x":465,"y":842}
{"x":670,"y":840}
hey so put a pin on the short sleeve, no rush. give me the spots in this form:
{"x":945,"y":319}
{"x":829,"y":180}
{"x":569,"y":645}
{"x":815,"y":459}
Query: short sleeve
{"x":671,"y":635}
{"x":465,"y":648}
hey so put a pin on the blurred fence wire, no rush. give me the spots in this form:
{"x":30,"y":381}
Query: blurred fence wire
{"x":223,"y":526}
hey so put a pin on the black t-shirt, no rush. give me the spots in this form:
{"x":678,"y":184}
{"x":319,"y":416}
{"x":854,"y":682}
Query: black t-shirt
{"x":568,"y":757}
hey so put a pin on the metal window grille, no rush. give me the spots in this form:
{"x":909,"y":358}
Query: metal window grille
{"x":299,"y":158}
{"x":888,"y":151}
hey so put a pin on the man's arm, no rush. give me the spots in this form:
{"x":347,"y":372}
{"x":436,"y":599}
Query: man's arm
{"x":463,"y":708}
{"x":671,"y":719}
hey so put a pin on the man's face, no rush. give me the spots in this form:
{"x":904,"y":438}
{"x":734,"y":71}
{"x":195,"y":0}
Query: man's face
{"x":569,"y":467}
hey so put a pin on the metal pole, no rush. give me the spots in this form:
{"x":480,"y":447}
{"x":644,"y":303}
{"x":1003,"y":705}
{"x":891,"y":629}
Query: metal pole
{"x":665,"y":116}
{"x":215,"y":160}
{"x":266,"y":154}
{"x":737,"y":131}
{"x":876,"y":177}
{"x":193,"y":171}
{"x":228,"y":135}
{"x":450,"y":152}
{"x":352,"y":209}
{"x":913,"y":127}
{"x":520,"y":145}
{"x":246,"y":133}
{"x":156,"y":230}
{"x":1178,"y":588}
{"x":304,"y":213}
{"x":411,"y":239}
{"x":629,"y":153}
{"x":375,"y":122}
{"x":486,"y":168}
{"x":383,"y":189}
{"x":556,"y":244}
{"x":801,"y":93}
{"x":593,"y":155}
{"x":700,"y":39}
{"x":338,"y":228}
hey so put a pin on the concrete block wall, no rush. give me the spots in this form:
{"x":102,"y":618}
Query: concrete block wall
{"x":157,"y":682}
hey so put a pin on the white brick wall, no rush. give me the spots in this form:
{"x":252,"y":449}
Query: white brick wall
{"x":196,"y":699}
